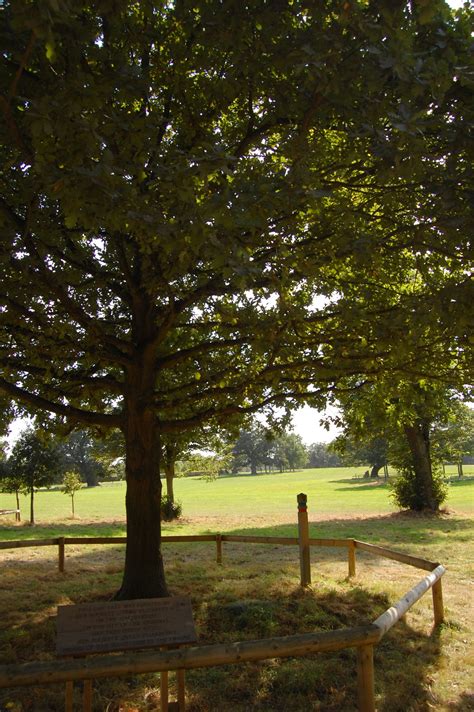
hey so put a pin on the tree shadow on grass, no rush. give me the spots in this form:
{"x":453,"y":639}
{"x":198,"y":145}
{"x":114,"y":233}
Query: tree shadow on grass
{"x":465,"y":704}
{"x":389,"y":529}
{"x":325,"y":681}
{"x":253,"y":595}
{"x":366,"y":486}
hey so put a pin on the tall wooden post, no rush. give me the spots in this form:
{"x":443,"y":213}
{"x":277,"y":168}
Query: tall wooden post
{"x":438,"y":606}
{"x":365,"y":678}
{"x":61,"y":554}
{"x":219,"y":548}
{"x":303,"y":535}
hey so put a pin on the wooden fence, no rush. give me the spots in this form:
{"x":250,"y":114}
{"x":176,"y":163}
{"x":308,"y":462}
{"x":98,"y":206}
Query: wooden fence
{"x":16,"y":512}
{"x":362,"y":638}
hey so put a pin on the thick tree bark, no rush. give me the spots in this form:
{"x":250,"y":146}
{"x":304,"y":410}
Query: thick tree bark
{"x":419,"y":442}
{"x":374,"y":472}
{"x":144,"y":573}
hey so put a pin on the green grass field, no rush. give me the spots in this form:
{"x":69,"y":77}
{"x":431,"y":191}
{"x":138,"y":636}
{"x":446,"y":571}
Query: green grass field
{"x":265,"y":497}
{"x":416,"y":670}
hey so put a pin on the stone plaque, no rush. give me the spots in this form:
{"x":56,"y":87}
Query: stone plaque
{"x":124,"y":625}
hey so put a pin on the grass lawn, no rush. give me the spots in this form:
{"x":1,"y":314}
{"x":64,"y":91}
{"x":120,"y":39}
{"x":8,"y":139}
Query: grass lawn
{"x":255,"y":593}
{"x":331,"y":493}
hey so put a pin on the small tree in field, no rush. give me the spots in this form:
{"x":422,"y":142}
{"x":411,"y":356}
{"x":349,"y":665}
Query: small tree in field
{"x":34,"y":462}
{"x":71,"y":484}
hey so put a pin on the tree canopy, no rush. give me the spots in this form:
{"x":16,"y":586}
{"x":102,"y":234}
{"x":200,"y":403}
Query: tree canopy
{"x":212,"y":208}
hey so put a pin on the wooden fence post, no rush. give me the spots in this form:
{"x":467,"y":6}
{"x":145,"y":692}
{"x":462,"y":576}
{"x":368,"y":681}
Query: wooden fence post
{"x":351,"y":550}
{"x":303,"y":536}
{"x":365,"y":678}
{"x":68,"y":696}
{"x":219,"y":548}
{"x":181,"y":700}
{"x":87,"y":696}
{"x":164,"y":691}
{"x":61,"y":554}
{"x":438,"y":607}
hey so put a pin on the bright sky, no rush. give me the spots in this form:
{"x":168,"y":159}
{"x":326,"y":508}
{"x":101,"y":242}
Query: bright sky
{"x":306,"y":423}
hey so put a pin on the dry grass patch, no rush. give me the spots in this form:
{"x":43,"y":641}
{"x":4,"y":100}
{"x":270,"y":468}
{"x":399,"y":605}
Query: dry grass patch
{"x":255,"y":594}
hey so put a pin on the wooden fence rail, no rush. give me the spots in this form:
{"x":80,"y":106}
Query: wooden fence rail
{"x":352,"y":545}
{"x":122,"y":664}
{"x":396,"y":555}
{"x":16,"y":512}
{"x":393,"y":614}
{"x":363,"y":638}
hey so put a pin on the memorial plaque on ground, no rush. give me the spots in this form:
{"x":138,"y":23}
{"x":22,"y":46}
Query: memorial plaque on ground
{"x":124,"y":625}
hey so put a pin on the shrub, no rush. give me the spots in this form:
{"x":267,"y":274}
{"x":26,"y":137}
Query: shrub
{"x":407,"y":492}
{"x":170,"y":510}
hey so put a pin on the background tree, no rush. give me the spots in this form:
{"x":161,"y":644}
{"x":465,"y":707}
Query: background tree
{"x":34,"y":462}
{"x":287,"y":451}
{"x":9,"y":484}
{"x":109,"y":452}
{"x":363,"y":450}
{"x":322,"y":455}
{"x":252,"y":449}
{"x":72,"y":483}
{"x":209,"y":466}
{"x":77,"y":451}
{"x":404,"y":417}
{"x":211,"y":444}
{"x":453,"y":438}
{"x":179,"y":183}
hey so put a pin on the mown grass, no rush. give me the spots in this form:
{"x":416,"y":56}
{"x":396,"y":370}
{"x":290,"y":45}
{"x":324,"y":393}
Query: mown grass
{"x":273,"y":496}
{"x":255,"y":594}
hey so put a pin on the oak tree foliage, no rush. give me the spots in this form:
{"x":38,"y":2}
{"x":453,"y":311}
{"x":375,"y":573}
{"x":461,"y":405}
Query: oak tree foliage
{"x":208,"y":208}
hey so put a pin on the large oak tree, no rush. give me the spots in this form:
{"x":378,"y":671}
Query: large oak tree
{"x":189,"y":189}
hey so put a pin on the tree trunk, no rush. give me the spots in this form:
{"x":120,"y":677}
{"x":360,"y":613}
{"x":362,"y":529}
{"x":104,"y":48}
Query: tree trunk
{"x":72,"y":505}
{"x":17,"y":515}
{"x":170,"y":459}
{"x":144,"y":573}
{"x":419,"y":442}
{"x":374,"y":472}
{"x":32,"y":505}
{"x":460,"y":470}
